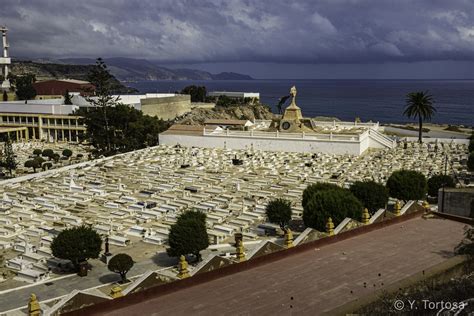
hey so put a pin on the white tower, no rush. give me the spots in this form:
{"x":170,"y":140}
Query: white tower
{"x":4,"y":60}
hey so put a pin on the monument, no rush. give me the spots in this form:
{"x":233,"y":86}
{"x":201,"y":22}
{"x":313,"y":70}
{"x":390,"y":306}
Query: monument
{"x":5,"y":61}
{"x":291,"y":120}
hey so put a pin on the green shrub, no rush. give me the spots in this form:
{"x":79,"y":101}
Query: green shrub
{"x":48,"y":153}
{"x":436,"y":182}
{"x":279,"y":212}
{"x":67,"y":153}
{"x":121,"y":264}
{"x":188,"y":235}
{"x":77,"y":244}
{"x":335,"y":203}
{"x":407,"y":185}
{"x":312,"y":189}
{"x":37,"y":152}
{"x":373,"y":196}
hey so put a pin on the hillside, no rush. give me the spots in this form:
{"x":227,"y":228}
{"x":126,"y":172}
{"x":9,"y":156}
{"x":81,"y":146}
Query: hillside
{"x":45,"y":71}
{"x":129,"y":69}
{"x":243,"y":112}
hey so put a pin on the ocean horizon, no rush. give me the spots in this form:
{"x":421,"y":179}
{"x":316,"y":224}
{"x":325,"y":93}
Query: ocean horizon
{"x":381,"y":100}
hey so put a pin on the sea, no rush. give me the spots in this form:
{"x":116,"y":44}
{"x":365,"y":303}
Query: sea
{"x":377,"y":100}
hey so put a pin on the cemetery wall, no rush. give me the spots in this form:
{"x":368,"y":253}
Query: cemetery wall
{"x":166,"y":108}
{"x":458,"y":201}
{"x":268,"y":144}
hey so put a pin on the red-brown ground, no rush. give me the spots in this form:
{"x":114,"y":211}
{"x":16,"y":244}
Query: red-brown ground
{"x":318,"y":280}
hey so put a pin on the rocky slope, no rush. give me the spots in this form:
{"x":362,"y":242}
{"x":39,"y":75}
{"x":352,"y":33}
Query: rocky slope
{"x":241,"y":112}
{"x":46,"y":71}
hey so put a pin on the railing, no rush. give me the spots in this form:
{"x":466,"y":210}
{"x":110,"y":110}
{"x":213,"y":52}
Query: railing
{"x":346,"y":124}
{"x":277,"y":134}
{"x":384,"y":140}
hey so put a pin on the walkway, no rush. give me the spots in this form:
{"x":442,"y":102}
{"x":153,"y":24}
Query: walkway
{"x":99,"y":275}
{"x":318,"y":280}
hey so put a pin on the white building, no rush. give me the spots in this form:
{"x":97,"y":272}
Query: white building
{"x":5,"y":61}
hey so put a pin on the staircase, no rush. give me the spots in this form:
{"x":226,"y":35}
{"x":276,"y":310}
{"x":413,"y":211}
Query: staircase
{"x":381,"y":139}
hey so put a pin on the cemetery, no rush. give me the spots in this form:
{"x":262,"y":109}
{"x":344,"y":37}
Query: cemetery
{"x":29,"y":151}
{"x":134,"y":198}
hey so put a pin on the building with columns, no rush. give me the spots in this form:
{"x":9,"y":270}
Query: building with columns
{"x":47,"y":120}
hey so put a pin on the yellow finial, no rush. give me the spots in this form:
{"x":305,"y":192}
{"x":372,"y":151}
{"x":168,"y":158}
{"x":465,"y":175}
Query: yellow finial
{"x":397,"y":208}
{"x":116,"y":292}
{"x":240,"y":251}
{"x":183,"y":268}
{"x":330,"y":227}
{"x":365,"y":216}
{"x":288,"y":238}
{"x":426,"y":205}
{"x":34,"y":308}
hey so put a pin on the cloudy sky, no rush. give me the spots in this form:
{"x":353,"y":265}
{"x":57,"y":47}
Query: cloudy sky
{"x":264,"y":38}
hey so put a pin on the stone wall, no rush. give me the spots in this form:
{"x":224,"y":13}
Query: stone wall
{"x":166,"y":108}
{"x":459,"y":201}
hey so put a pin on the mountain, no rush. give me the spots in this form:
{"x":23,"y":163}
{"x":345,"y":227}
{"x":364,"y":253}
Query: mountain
{"x":130,"y":69}
{"x":51,"y":70}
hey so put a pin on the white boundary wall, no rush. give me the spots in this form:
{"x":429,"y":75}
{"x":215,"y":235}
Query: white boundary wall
{"x":280,"y":143}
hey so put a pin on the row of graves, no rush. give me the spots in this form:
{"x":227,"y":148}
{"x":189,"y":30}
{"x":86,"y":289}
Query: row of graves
{"x":136,"y":197}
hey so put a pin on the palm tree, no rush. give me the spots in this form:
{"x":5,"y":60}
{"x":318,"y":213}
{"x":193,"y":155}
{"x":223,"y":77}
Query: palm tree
{"x":419,"y":105}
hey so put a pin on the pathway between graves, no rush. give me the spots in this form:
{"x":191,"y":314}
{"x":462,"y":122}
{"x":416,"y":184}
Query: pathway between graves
{"x":99,"y":275}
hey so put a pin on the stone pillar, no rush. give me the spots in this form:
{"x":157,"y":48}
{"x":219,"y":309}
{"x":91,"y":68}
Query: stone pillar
{"x":183,"y":268}
{"x":365,"y":216}
{"x":426,"y":206}
{"x":34,"y":308}
{"x":116,"y":292}
{"x":240,"y":251}
{"x":397,"y":208}
{"x":288,"y":238}
{"x":330,"y":227}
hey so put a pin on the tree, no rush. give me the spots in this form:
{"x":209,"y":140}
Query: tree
{"x":9,"y":161}
{"x":48,"y":153}
{"x":129,"y":129}
{"x":67,"y":153}
{"x":55,"y":157}
{"x":113,"y":127}
{"x":198,"y":93}
{"x":419,"y":105}
{"x":32,"y":163}
{"x":67,"y":98}
{"x":279,"y":212}
{"x":37,"y":152}
{"x":188,"y":235}
{"x":373,"y":195}
{"x":312,"y":189}
{"x":437,"y":182}
{"x":24,"y":87}
{"x":121,"y":264}
{"x":101,"y":78}
{"x":407,"y":185}
{"x":39,"y":160}
{"x":470,"y":161}
{"x":335,"y":203}
{"x":5,"y":96}
{"x":47,"y":166}
{"x":77,"y":244}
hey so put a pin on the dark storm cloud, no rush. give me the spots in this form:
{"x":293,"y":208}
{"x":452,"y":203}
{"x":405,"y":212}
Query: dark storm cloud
{"x":325,"y":31}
